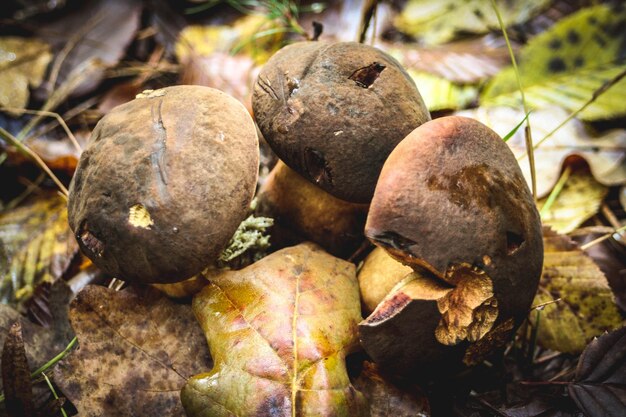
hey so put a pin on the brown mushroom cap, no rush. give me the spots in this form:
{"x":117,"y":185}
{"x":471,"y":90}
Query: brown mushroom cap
{"x":333,"y":112}
{"x":451,"y":201}
{"x":164,"y":182}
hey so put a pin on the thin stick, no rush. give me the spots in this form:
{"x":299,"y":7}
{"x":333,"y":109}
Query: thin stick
{"x":529,"y":139}
{"x":6,"y":135}
{"x":547,"y":303}
{"x":64,"y":125}
{"x":602,"y":238}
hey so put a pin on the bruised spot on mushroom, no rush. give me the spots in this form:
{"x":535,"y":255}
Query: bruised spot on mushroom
{"x":513,"y":242}
{"x":317,"y":167}
{"x":365,"y":77}
{"x":138,"y":216}
{"x":470,"y":310}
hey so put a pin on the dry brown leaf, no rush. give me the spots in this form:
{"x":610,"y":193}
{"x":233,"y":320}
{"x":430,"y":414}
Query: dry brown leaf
{"x":605,"y":154}
{"x":99,"y":32}
{"x":279,"y":331}
{"x":389,"y":398}
{"x":586,"y":308}
{"x":136,"y":350}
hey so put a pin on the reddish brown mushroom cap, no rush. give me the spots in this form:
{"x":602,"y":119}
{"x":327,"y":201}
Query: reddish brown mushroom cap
{"x":452,"y":200}
{"x":164,"y":182}
{"x":333,"y":112}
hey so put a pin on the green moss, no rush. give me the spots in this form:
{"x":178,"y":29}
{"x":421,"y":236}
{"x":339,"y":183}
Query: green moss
{"x":251,"y":235}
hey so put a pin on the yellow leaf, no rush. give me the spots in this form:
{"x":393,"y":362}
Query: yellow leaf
{"x":586,"y":309}
{"x":441,"y":94}
{"x":38,"y":246}
{"x":438,"y":21}
{"x":579,"y":200}
{"x":23,"y":63}
{"x":568,"y":63}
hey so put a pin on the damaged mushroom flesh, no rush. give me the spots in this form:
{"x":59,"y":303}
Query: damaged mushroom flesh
{"x":302,"y":211}
{"x":333,"y":113}
{"x":163,"y":185}
{"x":452,"y":204}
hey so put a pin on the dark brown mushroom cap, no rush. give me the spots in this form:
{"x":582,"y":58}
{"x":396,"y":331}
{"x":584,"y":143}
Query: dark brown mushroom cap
{"x":333,"y":113}
{"x":452,"y":194}
{"x":164,"y":182}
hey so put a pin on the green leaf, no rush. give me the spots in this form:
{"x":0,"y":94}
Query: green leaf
{"x":438,"y":21}
{"x":568,"y":63}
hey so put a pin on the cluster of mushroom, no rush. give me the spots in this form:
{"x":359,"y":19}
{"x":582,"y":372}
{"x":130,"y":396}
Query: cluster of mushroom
{"x":167,"y":178}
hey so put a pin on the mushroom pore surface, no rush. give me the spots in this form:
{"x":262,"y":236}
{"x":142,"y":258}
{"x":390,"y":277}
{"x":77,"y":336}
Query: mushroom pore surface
{"x":333,"y":113}
{"x":163,"y":183}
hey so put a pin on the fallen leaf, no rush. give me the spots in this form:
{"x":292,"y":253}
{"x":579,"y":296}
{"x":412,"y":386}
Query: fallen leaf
{"x":605,"y":153}
{"x":136,"y":350}
{"x":461,"y":62}
{"x":441,"y":94}
{"x":38,"y":245}
{"x":565,"y":65}
{"x":41,"y":344}
{"x":599,"y":387}
{"x":579,"y":200}
{"x":438,"y":21}
{"x":279,"y":331}
{"x":23,"y":63}
{"x":390,"y":398}
{"x":99,"y":32}
{"x":586,"y":308}
{"x":18,"y":390}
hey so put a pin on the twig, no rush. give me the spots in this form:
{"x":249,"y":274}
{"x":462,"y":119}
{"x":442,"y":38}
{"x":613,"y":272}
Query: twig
{"x":602,"y":238}
{"x":64,"y":125}
{"x":547,"y":303}
{"x":6,"y":135}
{"x":528,"y":136}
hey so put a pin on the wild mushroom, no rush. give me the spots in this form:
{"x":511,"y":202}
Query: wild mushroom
{"x":452,"y":204}
{"x":333,"y":112}
{"x":303,"y":211}
{"x":164,"y":182}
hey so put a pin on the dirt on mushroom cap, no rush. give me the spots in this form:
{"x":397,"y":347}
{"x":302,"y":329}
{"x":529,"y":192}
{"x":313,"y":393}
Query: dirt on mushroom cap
{"x":164,"y":183}
{"x":333,"y":112}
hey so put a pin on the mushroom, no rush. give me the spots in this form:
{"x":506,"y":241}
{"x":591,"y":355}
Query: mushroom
{"x":303,"y":211}
{"x":452,"y":204}
{"x":163,"y":183}
{"x":333,"y":113}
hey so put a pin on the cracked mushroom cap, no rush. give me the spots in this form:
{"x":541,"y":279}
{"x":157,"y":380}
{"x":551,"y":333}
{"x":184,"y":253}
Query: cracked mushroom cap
{"x":163,"y":183}
{"x":452,"y":203}
{"x":334,"y":112}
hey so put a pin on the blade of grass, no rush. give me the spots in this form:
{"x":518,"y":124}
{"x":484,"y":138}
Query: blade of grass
{"x":602,"y":238}
{"x":54,"y":393}
{"x":529,"y":139}
{"x":555,"y":192}
{"x":515,"y":129}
